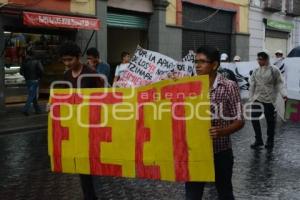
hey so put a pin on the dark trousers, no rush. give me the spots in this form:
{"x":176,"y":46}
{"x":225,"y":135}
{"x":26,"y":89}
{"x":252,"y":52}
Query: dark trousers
{"x":269,"y":111}
{"x":87,"y":186}
{"x":32,"y":88}
{"x":223,"y":172}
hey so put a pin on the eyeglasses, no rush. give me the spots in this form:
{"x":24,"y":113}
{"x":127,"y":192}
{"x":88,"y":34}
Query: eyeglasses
{"x":202,"y":61}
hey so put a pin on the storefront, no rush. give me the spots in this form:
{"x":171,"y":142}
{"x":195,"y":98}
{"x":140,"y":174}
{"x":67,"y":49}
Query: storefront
{"x":127,"y":27}
{"x":271,"y":30}
{"x":125,"y":32}
{"x":277,"y":35}
{"x":206,"y":26}
{"x":41,"y":33}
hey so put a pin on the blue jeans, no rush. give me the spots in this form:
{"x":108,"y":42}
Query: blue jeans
{"x":32,"y":89}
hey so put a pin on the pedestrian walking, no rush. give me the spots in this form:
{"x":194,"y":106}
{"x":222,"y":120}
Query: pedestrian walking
{"x":32,"y":70}
{"x":265,"y":84}
{"x":70,"y":54}
{"x":226,"y":120}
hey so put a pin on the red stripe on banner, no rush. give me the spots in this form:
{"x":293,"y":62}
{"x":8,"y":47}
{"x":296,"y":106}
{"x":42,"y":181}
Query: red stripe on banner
{"x":60,"y":133}
{"x":295,"y":116}
{"x":142,"y":136}
{"x":177,"y":93}
{"x":180,"y":144}
{"x":99,"y":135}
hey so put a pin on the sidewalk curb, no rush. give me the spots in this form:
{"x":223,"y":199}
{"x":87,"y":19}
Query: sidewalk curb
{"x":22,"y":129}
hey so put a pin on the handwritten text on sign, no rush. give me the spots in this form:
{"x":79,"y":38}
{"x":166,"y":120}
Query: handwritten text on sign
{"x":148,"y":67}
{"x":147,"y":132}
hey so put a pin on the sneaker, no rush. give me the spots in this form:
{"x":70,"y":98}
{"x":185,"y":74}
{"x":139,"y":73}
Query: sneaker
{"x":257,"y":145}
{"x":25,"y":113}
{"x":269,"y":145}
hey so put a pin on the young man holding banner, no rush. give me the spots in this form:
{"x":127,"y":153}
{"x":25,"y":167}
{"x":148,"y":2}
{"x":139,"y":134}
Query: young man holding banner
{"x":226,"y":119}
{"x":70,"y":55}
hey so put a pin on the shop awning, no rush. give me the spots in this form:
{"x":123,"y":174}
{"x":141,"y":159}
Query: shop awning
{"x":279,"y":25}
{"x":61,"y":21}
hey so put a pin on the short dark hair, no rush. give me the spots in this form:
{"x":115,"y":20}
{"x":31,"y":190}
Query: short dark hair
{"x":93,"y":52}
{"x":212,"y":53}
{"x":29,"y":52}
{"x":263,"y":55}
{"x":124,"y":53}
{"x":69,"y":48}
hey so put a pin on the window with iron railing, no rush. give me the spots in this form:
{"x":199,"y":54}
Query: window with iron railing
{"x":292,"y":7}
{"x":272,"y":5}
{"x":255,"y":3}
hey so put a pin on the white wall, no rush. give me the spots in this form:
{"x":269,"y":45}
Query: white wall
{"x":257,"y":30}
{"x":297,"y":32}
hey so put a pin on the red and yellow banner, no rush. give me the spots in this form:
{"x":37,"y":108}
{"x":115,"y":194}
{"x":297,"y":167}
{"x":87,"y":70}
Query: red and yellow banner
{"x":160,"y":131}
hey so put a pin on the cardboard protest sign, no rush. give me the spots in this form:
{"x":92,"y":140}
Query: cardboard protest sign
{"x":148,"y":67}
{"x":293,"y":110}
{"x":186,"y":67}
{"x":160,"y":131}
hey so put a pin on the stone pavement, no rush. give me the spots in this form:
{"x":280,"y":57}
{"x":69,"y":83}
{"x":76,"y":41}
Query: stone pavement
{"x":12,"y":120}
{"x":258,"y":175}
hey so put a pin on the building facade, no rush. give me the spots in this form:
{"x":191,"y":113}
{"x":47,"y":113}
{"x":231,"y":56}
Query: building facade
{"x":222,"y":23}
{"x":40,"y":26}
{"x":173,"y":27}
{"x":273,"y":25}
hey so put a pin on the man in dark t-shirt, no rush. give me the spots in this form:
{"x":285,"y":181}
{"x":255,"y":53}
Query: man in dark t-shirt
{"x":70,"y":54}
{"x":101,"y":67}
{"x":86,"y":82}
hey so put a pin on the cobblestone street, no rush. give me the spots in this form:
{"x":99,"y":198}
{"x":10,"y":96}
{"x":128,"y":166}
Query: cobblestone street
{"x":262,"y":175}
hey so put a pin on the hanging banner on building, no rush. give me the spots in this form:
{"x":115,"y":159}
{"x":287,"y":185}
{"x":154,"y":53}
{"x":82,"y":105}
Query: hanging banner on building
{"x":148,"y":67}
{"x":148,"y":132}
{"x":48,"y":20}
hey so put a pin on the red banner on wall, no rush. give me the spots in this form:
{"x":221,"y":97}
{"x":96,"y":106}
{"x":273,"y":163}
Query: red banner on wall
{"x":48,"y":20}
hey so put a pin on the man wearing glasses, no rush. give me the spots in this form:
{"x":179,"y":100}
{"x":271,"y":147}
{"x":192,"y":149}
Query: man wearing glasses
{"x":226,"y":119}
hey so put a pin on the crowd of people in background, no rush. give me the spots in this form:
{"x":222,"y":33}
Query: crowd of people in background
{"x":265,"y":83}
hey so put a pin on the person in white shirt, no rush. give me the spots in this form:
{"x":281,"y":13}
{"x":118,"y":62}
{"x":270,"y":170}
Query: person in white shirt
{"x":279,"y":53}
{"x":125,"y":56}
{"x":224,"y":57}
{"x":265,"y":84}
